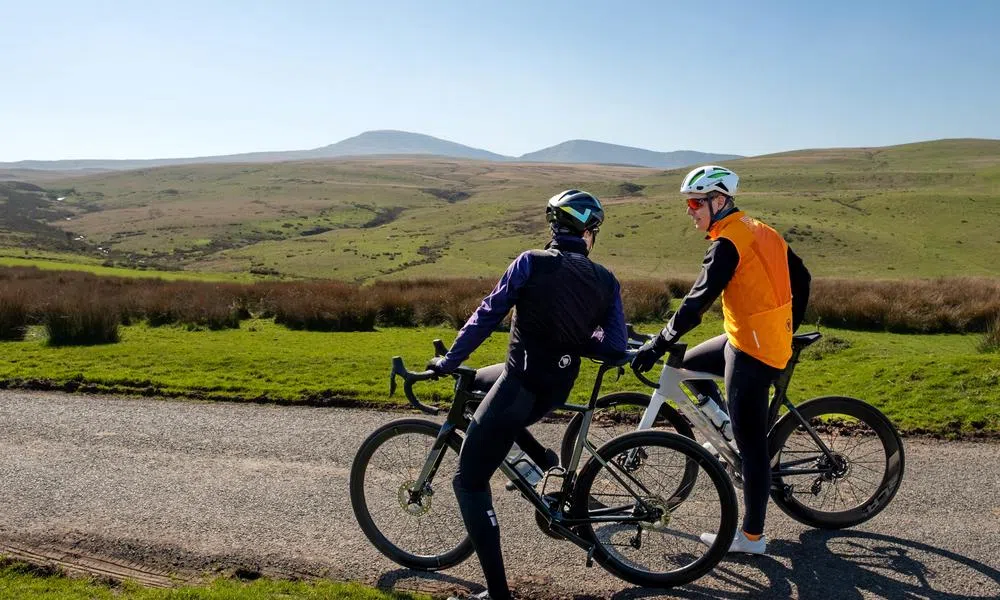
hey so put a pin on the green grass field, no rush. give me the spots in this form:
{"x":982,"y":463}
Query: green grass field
{"x":929,"y":383}
{"x":916,"y":210}
{"x":53,"y":261}
{"x":20,"y":581}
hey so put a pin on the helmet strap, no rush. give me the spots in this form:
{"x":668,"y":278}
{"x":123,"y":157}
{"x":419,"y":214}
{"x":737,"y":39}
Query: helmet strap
{"x":558,"y":229}
{"x":727,"y":208}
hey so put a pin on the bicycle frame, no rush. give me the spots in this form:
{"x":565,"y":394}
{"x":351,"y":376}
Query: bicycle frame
{"x":670,"y":388}
{"x":673,"y":384}
{"x":457,"y":420}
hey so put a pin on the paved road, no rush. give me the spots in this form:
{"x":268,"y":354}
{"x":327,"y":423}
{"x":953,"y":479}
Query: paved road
{"x":186,"y":488}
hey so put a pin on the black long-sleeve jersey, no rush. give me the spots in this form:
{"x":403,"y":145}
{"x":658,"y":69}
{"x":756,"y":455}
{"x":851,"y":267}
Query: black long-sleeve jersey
{"x":717,"y":269}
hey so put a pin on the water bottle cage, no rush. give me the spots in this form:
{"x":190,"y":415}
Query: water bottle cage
{"x":558,"y":472}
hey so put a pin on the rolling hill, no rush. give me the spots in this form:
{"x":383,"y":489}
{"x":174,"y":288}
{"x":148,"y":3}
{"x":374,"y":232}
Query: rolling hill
{"x":587,"y":151}
{"x":925,"y":209}
{"x":396,"y":143}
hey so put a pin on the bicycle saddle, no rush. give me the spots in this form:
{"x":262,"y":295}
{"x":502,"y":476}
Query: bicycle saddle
{"x":802,"y":340}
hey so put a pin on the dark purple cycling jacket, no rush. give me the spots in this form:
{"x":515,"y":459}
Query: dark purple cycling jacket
{"x":567,"y":306}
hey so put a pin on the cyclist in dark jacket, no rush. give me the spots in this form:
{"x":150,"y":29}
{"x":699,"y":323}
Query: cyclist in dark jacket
{"x":765,"y":289}
{"x":567,"y":306}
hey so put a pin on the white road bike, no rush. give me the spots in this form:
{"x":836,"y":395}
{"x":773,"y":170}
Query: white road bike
{"x":836,"y":461}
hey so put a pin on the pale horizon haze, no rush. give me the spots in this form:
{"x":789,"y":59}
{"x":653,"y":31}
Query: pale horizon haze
{"x":132,"y":80}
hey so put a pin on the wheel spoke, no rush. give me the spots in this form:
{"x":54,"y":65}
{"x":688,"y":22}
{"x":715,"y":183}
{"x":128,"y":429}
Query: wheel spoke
{"x":854,"y":472}
{"x":666,"y":551}
{"x":427,"y":529}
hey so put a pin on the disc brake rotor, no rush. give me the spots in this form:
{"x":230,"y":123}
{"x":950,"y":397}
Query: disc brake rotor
{"x":840,"y":469}
{"x":413,"y":504}
{"x":663,"y":522}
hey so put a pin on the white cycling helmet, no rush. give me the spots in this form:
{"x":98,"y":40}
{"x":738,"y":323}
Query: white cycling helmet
{"x":710,"y":178}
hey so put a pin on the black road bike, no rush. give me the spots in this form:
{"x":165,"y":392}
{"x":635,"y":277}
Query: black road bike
{"x":637,"y":505}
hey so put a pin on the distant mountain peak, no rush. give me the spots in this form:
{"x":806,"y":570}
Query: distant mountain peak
{"x":387,"y":142}
{"x":391,"y":141}
{"x":589,"y":151}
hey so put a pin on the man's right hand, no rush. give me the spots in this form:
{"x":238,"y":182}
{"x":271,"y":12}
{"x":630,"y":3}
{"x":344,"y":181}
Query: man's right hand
{"x":649,"y":353}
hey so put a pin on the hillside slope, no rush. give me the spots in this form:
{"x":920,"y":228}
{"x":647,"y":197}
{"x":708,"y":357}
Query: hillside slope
{"x":927,"y":209}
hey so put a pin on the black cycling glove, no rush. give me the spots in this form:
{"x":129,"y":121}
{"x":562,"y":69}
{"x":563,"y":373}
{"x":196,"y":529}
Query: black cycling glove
{"x":437,"y":365}
{"x":649,"y":353}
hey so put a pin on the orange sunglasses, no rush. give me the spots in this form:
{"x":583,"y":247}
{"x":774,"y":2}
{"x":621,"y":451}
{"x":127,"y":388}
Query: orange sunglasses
{"x":696,"y":203}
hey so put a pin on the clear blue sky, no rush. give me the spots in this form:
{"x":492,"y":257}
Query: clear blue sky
{"x":102,"y":79}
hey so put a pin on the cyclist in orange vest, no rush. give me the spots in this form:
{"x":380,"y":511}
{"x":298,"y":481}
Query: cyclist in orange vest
{"x":765,"y":289}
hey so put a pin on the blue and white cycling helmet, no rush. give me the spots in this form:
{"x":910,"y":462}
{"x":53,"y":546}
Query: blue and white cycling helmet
{"x":575,"y":210}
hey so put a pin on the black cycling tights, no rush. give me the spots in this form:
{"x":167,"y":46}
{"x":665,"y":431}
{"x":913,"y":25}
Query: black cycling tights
{"x":486,"y":378}
{"x":748,"y":383}
{"x":502,"y":417}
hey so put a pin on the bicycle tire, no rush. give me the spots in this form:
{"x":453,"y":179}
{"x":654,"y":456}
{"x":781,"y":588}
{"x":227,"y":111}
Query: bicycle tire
{"x":867,"y":505}
{"x":426,"y":433}
{"x":657,"y":533}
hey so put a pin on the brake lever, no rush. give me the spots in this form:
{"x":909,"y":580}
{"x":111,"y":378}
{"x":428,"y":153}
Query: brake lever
{"x":645,"y":380}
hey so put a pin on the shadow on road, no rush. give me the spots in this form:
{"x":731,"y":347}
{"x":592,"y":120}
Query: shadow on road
{"x":823,"y":565}
{"x":842,"y":564}
{"x":436,"y":583}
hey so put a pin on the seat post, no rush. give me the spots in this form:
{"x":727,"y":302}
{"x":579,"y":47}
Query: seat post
{"x":781,"y":386}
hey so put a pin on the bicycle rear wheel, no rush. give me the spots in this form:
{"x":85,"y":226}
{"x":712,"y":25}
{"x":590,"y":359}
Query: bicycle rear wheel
{"x":863,"y":476}
{"x":649,"y":513}
{"x":418,"y":529}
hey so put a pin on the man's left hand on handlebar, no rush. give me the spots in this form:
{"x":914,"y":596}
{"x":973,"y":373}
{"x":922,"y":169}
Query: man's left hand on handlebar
{"x":438,"y":365}
{"x":649,"y":353}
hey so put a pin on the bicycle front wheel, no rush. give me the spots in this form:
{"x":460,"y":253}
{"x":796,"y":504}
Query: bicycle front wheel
{"x":863,"y":475}
{"x":649,"y":514}
{"x":416,"y":528}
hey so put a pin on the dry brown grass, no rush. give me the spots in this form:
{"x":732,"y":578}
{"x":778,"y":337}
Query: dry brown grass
{"x":991,"y":339}
{"x":943,"y":305}
{"x":13,"y":314}
{"x":80,"y":320}
{"x":926,"y":306}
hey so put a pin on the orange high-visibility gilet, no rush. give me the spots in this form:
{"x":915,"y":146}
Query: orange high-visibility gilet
{"x":757,"y":302}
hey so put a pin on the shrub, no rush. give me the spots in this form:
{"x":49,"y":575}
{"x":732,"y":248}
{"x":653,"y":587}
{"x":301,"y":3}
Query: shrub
{"x":326,"y":306}
{"x":428,"y":301}
{"x":81,"y":323}
{"x":646,"y":301}
{"x":944,"y":305}
{"x":13,"y":315}
{"x":991,"y":339}
{"x":958,"y":304}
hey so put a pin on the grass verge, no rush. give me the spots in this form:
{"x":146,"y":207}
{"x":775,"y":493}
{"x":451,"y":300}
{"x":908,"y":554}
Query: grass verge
{"x":22,"y":581}
{"x":937,"y":384}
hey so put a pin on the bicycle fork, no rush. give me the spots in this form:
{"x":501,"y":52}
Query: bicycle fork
{"x":422,"y":485}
